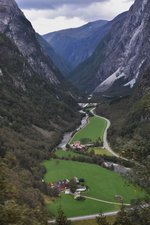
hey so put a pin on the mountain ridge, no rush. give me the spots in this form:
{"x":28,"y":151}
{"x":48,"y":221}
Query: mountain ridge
{"x":76,"y":44}
{"x":126,"y":52}
{"x":14,"y":24}
{"x":83,"y":76}
{"x":36,"y":108}
{"x":58,"y":61}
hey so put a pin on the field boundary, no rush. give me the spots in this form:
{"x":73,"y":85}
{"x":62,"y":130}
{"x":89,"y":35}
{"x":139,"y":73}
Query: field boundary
{"x":107,"y":202}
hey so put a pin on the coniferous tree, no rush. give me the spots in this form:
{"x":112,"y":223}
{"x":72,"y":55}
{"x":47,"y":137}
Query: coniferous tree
{"x":61,"y":219}
{"x":101,"y":220}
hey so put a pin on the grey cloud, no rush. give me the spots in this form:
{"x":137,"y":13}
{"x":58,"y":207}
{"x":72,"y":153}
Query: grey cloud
{"x":51,"y":4}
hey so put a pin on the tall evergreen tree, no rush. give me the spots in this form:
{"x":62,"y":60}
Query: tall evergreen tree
{"x":61,"y":219}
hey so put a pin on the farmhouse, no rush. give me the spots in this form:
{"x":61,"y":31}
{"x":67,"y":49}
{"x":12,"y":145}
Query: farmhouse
{"x":63,"y":185}
{"x":77,"y":145}
{"x":81,"y":188}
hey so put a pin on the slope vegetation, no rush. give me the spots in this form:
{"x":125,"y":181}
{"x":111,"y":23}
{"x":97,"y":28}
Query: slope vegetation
{"x":130,"y":117}
{"x":33,"y":117}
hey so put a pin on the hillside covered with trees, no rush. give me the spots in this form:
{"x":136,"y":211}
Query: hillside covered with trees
{"x":29,"y":129}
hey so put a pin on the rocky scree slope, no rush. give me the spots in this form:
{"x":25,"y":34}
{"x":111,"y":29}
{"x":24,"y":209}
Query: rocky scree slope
{"x":121,"y":56}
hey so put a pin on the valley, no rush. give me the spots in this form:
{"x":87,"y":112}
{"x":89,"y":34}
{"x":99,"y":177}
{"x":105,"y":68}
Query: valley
{"x":102,"y":184}
{"x":74,"y":112}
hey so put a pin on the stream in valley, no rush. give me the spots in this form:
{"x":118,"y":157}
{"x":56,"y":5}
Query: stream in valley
{"x":67,"y":136}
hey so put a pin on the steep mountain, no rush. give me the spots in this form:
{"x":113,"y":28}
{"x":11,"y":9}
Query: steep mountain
{"x":121,"y":56}
{"x":14,"y":24}
{"x":77,"y":44}
{"x":36,"y":108}
{"x":16,"y":27}
{"x":130,"y":121}
{"x":58,"y":61}
{"x":27,"y":98}
{"x":84,"y":76}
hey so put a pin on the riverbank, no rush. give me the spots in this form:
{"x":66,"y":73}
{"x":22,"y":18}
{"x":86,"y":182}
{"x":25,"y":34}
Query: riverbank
{"x":67,"y":136}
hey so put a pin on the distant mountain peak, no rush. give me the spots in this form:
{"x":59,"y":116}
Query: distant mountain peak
{"x":121,"y":56}
{"x":75,"y":45}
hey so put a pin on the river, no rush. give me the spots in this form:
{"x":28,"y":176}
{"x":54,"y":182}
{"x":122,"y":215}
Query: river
{"x":67,"y":136}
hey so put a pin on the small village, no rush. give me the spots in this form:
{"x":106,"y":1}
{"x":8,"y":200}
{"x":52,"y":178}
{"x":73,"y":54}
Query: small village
{"x":77,"y":146}
{"x":74,"y":186}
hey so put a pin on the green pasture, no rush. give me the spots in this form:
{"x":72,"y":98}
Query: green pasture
{"x":103,"y":184}
{"x":99,"y":151}
{"x":68,"y":154}
{"x":93,"y":130}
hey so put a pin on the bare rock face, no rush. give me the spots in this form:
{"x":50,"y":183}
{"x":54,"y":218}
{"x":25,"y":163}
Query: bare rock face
{"x":128,"y":51}
{"x":121,"y":56}
{"x":14,"y":24}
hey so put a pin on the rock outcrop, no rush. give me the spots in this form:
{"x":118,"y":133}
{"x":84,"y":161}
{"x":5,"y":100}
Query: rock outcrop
{"x":121,"y":56}
{"x":14,"y":24}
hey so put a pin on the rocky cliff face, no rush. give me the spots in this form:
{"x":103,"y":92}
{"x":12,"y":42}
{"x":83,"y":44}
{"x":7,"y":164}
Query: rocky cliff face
{"x":26,"y":70}
{"x":77,"y":44}
{"x":14,"y":24}
{"x":122,"y":55}
{"x":84,"y":76}
{"x":128,"y":52}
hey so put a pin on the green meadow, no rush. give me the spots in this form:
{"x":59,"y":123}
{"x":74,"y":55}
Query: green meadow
{"x":103,"y":184}
{"x":93,"y":130}
{"x":99,"y":151}
{"x":68,"y":154}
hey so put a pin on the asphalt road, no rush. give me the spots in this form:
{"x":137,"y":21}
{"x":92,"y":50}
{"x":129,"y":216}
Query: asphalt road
{"x":79,"y":218}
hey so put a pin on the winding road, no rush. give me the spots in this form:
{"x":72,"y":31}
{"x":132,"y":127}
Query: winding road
{"x":105,"y":140}
{"x":79,"y":218}
{"x":107,"y":147}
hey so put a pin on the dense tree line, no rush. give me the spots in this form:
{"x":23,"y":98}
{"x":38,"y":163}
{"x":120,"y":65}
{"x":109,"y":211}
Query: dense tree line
{"x":33,"y":117}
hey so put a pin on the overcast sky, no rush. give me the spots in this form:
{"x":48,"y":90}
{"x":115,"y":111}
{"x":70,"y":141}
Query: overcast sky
{"x":51,"y":15}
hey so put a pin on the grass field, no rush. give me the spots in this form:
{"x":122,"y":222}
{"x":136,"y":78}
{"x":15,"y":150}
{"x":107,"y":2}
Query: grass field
{"x":93,"y":130}
{"x":100,"y":151}
{"x":103,"y":184}
{"x":68,"y":154}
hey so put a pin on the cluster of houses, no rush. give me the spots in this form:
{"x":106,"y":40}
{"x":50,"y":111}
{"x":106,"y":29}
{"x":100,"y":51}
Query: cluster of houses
{"x":77,"y":146}
{"x":63,"y":186}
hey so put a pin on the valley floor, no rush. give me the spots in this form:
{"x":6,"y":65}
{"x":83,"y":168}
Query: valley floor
{"x":103,"y":184}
